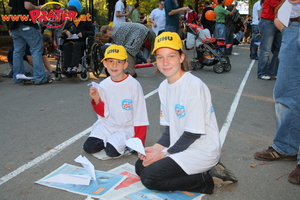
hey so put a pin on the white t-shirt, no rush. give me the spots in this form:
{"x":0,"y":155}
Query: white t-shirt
{"x":256,"y":8}
{"x":186,"y":106}
{"x":119,"y":7}
{"x":159,"y":17}
{"x":125,"y":107}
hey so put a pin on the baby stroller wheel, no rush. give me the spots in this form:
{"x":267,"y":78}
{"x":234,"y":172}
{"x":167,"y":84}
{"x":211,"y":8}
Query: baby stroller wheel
{"x":193,"y":65}
{"x":200,"y":65}
{"x":218,"y":68}
{"x":227,"y":67}
{"x":84,"y":75}
{"x":58,"y":75}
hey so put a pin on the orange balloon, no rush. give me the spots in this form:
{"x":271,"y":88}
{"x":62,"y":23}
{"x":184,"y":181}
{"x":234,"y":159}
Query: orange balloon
{"x":216,"y":2}
{"x":228,"y":2}
{"x":210,"y":15}
{"x":213,"y":5}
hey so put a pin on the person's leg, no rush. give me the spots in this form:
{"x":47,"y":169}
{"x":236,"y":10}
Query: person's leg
{"x":131,"y":64}
{"x":167,"y":175}
{"x":78,"y":48}
{"x":229,"y":38}
{"x":253,"y":46}
{"x":19,"y":52}
{"x":219,"y":31}
{"x":286,"y":93}
{"x":146,"y":53}
{"x":67,"y":54}
{"x":28,"y":68}
{"x":111,"y":150}
{"x":273,"y":66}
{"x":266,"y":28}
{"x":93,"y":145}
{"x":35,"y":41}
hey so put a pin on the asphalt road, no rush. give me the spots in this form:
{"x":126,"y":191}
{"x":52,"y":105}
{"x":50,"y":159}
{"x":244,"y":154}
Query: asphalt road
{"x":42,"y":127}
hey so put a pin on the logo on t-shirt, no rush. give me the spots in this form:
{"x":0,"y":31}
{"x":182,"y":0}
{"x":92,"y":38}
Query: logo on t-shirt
{"x":179,"y":110}
{"x":212,"y":110}
{"x":127,"y":104}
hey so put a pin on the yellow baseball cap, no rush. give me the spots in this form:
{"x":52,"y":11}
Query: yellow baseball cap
{"x":116,"y":52}
{"x":169,"y":40}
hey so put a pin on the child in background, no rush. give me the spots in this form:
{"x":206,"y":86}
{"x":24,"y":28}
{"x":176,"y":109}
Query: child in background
{"x":120,"y":105}
{"x":187,"y":154}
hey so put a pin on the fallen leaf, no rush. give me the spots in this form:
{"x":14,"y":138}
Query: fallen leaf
{"x":264,"y":163}
{"x":42,"y":109}
{"x":106,"y":165}
{"x":281,"y":176}
{"x":253,"y":165}
{"x":8,"y":168}
{"x":48,"y":148}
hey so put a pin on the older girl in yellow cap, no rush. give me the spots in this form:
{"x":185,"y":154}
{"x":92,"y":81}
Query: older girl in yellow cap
{"x":190,"y":147}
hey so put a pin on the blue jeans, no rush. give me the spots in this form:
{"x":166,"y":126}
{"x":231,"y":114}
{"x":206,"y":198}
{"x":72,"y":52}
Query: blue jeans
{"x":169,"y":28}
{"x":255,"y":38}
{"x":286,"y":93}
{"x":219,"y":31}
{"x":270,"y":43}
{"x":33,"y":37}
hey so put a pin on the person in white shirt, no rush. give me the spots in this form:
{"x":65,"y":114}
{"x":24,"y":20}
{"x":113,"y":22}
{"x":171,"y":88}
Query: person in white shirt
{"x":186,"y":157}
{"x":120,"y":13}
{"x":255,"y":32}
{"x":158,"y":18}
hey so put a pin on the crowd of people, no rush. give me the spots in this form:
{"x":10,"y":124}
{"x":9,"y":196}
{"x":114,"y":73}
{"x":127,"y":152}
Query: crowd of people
{"x":190,"y":148}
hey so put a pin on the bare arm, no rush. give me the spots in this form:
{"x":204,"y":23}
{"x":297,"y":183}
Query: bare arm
{"x":173,"y":12}
{"x":294,"y":1}
{"x":46,"y":63}
{"x":233,"y":10}
{"x":118,"y":14}
{"x":29,"y":58}
{"x":30,"y":6}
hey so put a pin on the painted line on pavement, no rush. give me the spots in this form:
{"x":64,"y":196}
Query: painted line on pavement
{"x":51,"y":153}
{"x":230,"y":115}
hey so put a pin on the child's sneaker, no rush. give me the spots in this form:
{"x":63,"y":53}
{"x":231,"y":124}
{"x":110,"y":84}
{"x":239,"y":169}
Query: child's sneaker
{"x":222,"y":176}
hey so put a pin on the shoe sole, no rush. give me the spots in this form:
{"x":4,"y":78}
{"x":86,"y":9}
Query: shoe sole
{"x":291,"y":181}
{"x":282,"y":159}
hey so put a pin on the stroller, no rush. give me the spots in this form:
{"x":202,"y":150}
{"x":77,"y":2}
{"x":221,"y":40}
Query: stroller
{"x":208,"y":51}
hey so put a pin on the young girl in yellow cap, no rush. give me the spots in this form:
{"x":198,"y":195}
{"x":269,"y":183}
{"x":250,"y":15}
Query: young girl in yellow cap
{"x":190,"y":147}
{"x":120,"y":104}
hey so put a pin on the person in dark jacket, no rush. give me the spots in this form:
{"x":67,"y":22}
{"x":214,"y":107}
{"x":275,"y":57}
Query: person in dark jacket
{"x":75,"y":33}
{"x":209,"y":24}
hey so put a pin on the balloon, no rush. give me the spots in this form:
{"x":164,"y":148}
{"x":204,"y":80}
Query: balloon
{"x":75,"y":3}
{"x":228,"y":2}
{"x":216,"y":2}
{"x":210,"y":15}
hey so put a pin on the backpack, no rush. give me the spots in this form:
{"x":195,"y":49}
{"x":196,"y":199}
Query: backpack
{"x":235,"y":17}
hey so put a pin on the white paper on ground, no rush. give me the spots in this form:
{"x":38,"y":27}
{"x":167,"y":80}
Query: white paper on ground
{"x":87,"y":165}
{"x":284,"y":13}
{"x":69,"y":179}
{"x":136,"y":144}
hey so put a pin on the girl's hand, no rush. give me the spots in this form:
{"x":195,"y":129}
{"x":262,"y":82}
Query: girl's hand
{"x":94,"y":94}
{"x":79,"y":35}
{"x":279,"y":25}
{"x":153,"y":155}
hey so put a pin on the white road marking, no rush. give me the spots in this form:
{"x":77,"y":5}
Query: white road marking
{"x":51,"y":153}
{"x":234,"y":105}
